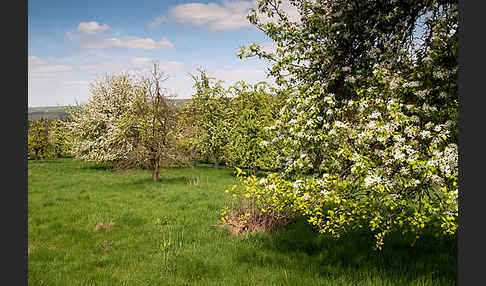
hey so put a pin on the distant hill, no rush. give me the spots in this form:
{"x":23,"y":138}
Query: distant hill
{"x":47,"y":113}
{"x":59,"y":112}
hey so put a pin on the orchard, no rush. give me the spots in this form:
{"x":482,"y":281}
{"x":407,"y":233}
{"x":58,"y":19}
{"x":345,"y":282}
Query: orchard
{"x":359,"y":129}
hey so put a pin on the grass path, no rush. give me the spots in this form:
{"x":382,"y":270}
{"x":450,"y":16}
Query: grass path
{"x":89,"y":226}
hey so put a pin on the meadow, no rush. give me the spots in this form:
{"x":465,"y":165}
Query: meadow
{"x":91,"y":226}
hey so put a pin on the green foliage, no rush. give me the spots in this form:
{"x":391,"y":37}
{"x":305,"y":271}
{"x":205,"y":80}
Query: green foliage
{"x":37,"y":139}
{"x":251,"y":112}
{"x":232,"y":125}
{"x":384,"y":169}
{"x":340,"y":42}
{"x":151,"y":126}
{"x":48,"y":139}
{"x":208,"y":112}
{"x":60,"y":139}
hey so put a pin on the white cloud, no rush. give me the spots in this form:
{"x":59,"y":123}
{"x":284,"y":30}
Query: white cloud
{"x":171,"y":67}
{"x":57,"y":89}
{"x":129,"y":42}
{"x":50,"y":69}
{"x":216,"y":17}
{"x":33,"y":60}
{"x":156,"y":22}
{"x":141,"y":61}
{"x":103,"y":65}
{"x":42,"y":67}
{"x":76,"y":82}
{"x":229,"y":15}
{"x":72,"y":36}
{"x":92,"y":27}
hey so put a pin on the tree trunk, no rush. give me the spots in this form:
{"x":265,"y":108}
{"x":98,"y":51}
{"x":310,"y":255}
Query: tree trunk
{"x":216,"y":161}
{"x":255,"y":170}
{"x":155,"y":173}
{"x":317,"y":161}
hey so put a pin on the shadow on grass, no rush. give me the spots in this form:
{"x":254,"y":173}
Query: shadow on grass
{"x":100,"y":166}
{"x":431,"y":257}
{"x":179,"y":180}
{"x":45,"y":161}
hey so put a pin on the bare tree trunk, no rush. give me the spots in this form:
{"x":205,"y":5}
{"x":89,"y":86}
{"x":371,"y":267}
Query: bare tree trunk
{"x":155,"y":173}
{"x":216,"y":161}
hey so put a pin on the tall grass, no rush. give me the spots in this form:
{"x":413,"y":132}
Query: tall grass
{"x":91,"y":226}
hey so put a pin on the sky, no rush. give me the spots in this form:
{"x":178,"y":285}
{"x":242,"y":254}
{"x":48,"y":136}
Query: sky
{"x":72,"y":43}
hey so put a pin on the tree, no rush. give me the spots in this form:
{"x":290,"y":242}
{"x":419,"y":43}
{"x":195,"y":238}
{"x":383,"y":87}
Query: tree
{"x":338,"y":43}
{"x":128,"y":121}
{"x":38,"y":143}
{"x":151,"y":126}
{"x":95,"y":126}
{"x":59,"y":139}
{"x":372,"y":112}
{"x":208,"y":111}
{"x":250,"y":114}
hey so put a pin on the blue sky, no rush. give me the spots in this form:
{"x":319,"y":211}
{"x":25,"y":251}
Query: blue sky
{"x":70,"y":43}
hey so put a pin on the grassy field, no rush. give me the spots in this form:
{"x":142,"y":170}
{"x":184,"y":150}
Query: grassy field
{"x":90,"y":226}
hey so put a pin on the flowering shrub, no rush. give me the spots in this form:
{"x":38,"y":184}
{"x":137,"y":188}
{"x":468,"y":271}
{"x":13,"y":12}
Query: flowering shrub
{"x":253,"y":208}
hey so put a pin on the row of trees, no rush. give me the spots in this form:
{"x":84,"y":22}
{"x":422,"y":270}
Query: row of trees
{"x":129,"y":120}
{"x":231,"y":125}
{"x":47,"y":139}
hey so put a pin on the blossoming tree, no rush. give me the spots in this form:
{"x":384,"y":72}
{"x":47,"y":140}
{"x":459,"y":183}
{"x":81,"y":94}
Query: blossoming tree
{"x":129,"y":121}
{"x":372,"y":113}
{"x":95,"y":125}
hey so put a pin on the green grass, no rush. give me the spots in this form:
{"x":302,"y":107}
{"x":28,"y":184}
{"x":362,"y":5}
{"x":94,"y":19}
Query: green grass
{"x":162,"y":234}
